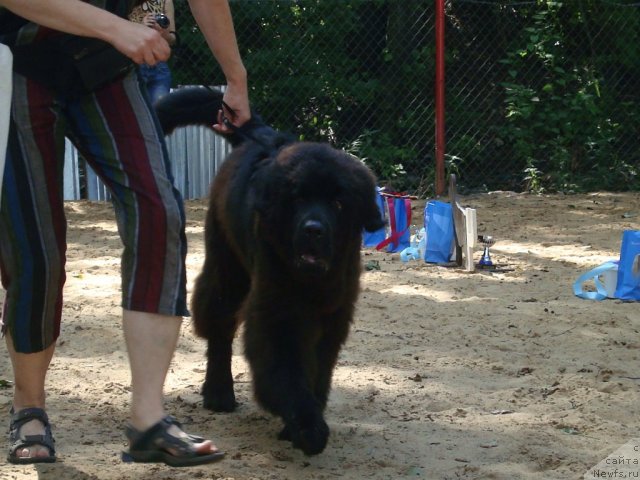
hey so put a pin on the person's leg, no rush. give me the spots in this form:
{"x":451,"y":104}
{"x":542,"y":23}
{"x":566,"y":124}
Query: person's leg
{"x":157,"y":80}
{"x":117,"y":132}
{"x":30,"y":370}
{"x":160,"y":83}
{"x":151,"y":340}
{"x":32,"y":251}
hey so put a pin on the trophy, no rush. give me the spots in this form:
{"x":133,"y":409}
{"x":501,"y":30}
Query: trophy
{"x":487,"y":241}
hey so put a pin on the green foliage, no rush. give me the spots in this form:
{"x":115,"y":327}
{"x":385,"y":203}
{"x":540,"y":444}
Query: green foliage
{"x":317,"y":80}
{"x":191,"y":61}
{"x":377,"y":151}
{"x":329,"y":70}
{"x":540,"y":94}
{"x":559,"y":120}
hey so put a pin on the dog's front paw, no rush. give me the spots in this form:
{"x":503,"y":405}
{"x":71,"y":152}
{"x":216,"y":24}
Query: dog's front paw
{"x":285,"y":434}
{"x":218,"y":399}
{"x":309,"y":435}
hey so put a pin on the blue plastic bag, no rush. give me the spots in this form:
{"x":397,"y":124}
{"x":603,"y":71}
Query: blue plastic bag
{"x":628,"y":286}
{"x":438,"y":223}
{"x":604,"y":279}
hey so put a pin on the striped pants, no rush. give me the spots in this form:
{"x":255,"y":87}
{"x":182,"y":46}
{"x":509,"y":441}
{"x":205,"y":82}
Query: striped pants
{"x":116,"y":131}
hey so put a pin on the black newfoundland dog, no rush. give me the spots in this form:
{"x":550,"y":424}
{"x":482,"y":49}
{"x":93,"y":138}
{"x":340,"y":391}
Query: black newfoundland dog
{"x":283,"y":238}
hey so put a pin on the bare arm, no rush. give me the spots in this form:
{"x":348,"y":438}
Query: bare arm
{"x":169,"y":12}
{"x":141,"y":44}
{"x":216,"y":24}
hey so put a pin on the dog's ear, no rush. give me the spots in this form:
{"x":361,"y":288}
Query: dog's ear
{"x":372,"y":217}
{"x":362,"y":184}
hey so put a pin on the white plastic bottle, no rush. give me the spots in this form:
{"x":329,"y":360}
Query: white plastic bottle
{"x":421,"y":237}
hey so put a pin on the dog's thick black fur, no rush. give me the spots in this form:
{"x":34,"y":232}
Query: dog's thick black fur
{"x":282,"y":237}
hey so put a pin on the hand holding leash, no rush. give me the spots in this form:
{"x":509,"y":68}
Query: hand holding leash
{"x":235,"y":111}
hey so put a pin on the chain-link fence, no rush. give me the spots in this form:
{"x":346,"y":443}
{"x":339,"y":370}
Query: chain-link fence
{"x":539,"y":94}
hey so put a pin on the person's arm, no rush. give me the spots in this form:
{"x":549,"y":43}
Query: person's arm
{"x":141,"y":44}
{"x":169,"y":12}
{"x":216,"y":24}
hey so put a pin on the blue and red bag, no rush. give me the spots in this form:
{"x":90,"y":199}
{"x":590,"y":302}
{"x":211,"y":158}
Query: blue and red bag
{"x":398,"y":209}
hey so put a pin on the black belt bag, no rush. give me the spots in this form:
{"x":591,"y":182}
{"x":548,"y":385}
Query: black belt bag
{"x":70,"y":65}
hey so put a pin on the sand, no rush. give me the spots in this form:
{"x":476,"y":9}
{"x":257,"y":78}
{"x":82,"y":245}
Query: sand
{"x":446,"y":374}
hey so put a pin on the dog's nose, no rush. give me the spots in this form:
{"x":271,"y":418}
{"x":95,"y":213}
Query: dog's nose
{"x":314,"y":229}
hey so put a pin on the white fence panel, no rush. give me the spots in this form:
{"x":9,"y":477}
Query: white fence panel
{"x":71,"y":172}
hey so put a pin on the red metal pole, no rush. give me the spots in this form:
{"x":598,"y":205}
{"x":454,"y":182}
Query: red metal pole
{"x":439,"y":93}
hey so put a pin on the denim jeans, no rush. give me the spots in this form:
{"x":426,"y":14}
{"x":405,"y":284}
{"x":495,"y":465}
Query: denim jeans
{"x":157,"y":79}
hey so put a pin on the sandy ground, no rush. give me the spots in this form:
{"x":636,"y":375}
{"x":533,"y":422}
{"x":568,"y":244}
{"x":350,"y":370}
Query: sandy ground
{"x":446,"y":374}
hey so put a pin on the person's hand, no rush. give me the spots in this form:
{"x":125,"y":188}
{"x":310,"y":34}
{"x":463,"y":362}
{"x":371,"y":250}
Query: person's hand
{"x":150,"y":21}
{"x":237,"y":99}
{"x":140,"y":43}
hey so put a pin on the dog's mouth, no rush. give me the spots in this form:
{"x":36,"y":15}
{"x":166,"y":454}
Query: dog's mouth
{"x":310,"y":261}
{"x":312,"y":248}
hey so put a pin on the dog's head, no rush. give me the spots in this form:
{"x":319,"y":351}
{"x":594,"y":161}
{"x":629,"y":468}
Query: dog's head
{"x":313,"y":202}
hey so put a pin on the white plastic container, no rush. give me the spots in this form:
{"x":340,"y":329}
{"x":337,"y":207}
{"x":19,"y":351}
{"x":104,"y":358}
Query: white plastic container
{"x":610,"y":281}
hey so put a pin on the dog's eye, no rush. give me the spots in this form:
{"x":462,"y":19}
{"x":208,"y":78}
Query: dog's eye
{"x":337,"y":205}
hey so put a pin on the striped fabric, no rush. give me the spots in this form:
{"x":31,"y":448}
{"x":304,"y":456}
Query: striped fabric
{"x":116,"y":131}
